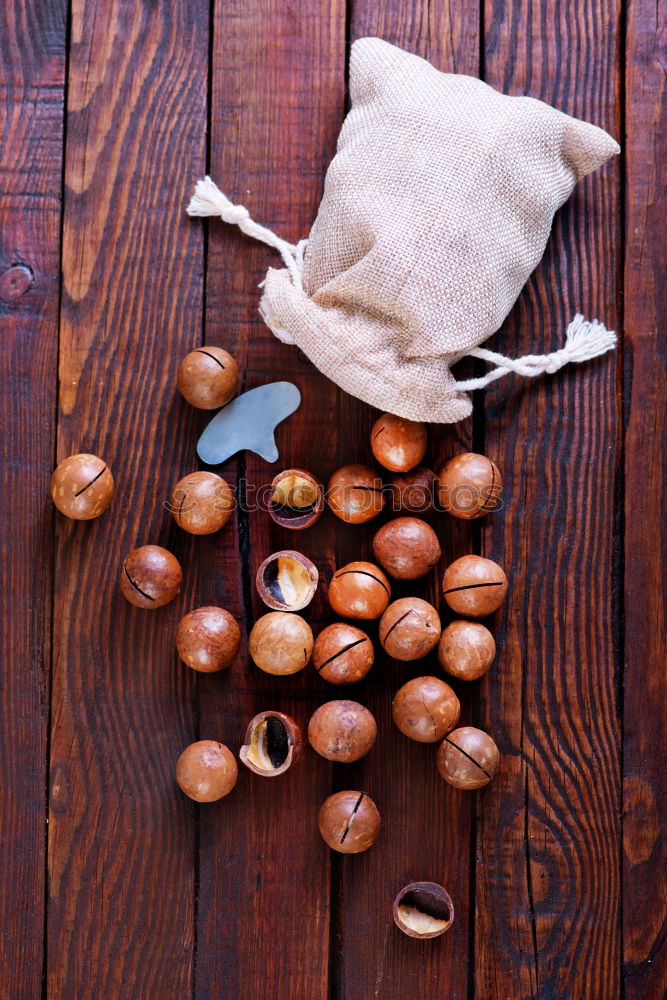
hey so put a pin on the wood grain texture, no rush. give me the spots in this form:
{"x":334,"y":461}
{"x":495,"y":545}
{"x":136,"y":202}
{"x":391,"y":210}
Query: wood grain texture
{"x":121,"y":837}
{"x":548,"y":879}
{"x":426,"y":824}
{"x":32,"y":70}
{"x":554,"y":868}
{"x":645,"y":683}
{"x":276,"y":108}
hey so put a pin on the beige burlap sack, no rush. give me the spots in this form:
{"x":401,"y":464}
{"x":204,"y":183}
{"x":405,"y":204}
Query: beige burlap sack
{"x":436,"y":208}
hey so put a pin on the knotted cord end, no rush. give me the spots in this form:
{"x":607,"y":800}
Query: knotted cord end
{"x":584,"y":340}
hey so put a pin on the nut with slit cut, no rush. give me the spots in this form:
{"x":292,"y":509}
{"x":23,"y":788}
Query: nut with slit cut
{"x":349,"y":822}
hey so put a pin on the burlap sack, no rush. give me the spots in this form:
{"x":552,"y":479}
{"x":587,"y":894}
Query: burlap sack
{"x":436,"y":208}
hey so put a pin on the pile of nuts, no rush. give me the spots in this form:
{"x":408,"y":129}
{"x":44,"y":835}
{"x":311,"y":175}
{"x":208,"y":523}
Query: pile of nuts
{"x":425,"y":709}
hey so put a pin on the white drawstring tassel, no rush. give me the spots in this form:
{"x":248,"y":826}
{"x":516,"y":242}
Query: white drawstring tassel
{"x":584,"y":340}
{"x":209,"y":201}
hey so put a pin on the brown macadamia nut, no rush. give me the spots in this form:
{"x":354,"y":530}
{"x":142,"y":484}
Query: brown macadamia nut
{"x":287,"y":581}
{"x":208,"y":639}
{"x":82,"y":487}
{"x":281,"y":643}
{"x":343,"y":654}
{"x":409,"y":629}
{"x":406,"y":547}
{"x":201,"y":503}
{"x":470,"y":486}
{"x":425,"y":709}
{"x":151,"y":577}
{"x":355,"y":494}
{"x":468,"y":758}
{"x":206,"y":771}
{"x":272,"y":744}
{"x":474,"y":587}
{"x":423,"y":910}
{"x":398,"y":444}
{"x":349,"y":822}
{"x":414,"y":491}
{"x":208,"y":377}
{"x":359,"y":590}
{"x":297,"y":499}
{"x":342,"y":731}
{"x":466,"y":650}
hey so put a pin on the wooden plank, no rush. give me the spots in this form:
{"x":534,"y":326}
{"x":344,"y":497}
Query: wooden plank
{"x":32,"y":78}
{"x":645,"y":683}
{"x":547,"y":921}
{"x":121,"y":836}
{"x":426,"y":824}
{"x":277,"y":104}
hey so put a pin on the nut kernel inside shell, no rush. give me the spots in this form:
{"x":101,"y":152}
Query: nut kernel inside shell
{"x":287,"y":581}
{"x":295,"y":491}
{"x":297,"y":499}
{"x":423,"y":910}
{"x":272,"y":744}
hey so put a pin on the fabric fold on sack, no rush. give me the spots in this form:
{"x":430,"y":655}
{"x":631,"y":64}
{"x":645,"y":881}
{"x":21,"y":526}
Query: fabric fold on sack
{"x":436,"y":208}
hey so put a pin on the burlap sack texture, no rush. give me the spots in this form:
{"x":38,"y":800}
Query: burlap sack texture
{"x":437,"y":207}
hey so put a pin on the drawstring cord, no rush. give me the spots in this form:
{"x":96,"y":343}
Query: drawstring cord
{"x":584,"y":340}
{"x":208,"y":200}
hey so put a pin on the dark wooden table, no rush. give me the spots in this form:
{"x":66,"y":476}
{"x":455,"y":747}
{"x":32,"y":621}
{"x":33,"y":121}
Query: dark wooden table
{"x":113,"y":884}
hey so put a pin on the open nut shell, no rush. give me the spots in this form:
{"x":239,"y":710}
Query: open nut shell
{"x":423,"y":910}
{"x":297,"y":499}
{"x":287,"y":581}
{"x":272,"y":744}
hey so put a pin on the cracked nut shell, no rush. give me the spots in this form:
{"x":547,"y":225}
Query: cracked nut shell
{"x":82,"y":487}
{"x":474,"y":587}
{"x":470,"y":486}
{"x":423,"y":910}
{"x":406,"y":547}
{"x":343,"y":654}
{"x":151,"y":577}
{"x":272,"y":744}
{"x":409,"y":629}
{"x":349,"y":822}
{"x":201,"y":503}
{"x":281,"y":643}
{"x":414,"y":491}
{"x":206,"y":771}
{"x":359,"y":590}
{"x":208,"y":639}
{"x":468,"y":758}
{"x":398,"y":444}
{"x":297,"y":499}
{"x":208,"y":377}
{"x":287,"y":581}
{"x":466,"y":650}
{"x":425,"y":709}
{"x":355,"y":494}
{"x":342,"y":731}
